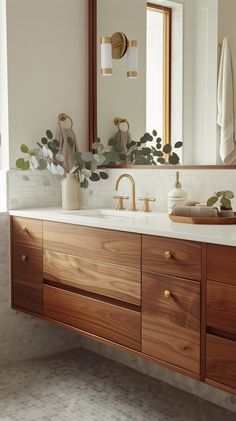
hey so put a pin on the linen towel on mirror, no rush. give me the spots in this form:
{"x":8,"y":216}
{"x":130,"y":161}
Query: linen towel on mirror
{"x":65,"y":149}
{"x":225,"y":117}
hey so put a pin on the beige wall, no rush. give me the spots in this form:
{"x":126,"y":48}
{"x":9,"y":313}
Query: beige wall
{"x":119,"y":96}
{"x":47,"y":68}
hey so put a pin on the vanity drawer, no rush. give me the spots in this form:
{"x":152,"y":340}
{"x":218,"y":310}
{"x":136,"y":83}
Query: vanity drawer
{"x":26,"y":231}
{"x":171,"y":320}
{"x":109,"y":246}
{"x":221,"y":307}
{"x":221,"y":361}
{"x":27,"y":278}
{"x":106,"y":320}
{"x":172,"y":257}
{"x":221,"y":263}
{"x":118,"y":282}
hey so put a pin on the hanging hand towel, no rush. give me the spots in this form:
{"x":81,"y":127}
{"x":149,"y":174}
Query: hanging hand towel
{"x":225,"y":118}
{"x":65,"y":149}
{"x":123,"y":138}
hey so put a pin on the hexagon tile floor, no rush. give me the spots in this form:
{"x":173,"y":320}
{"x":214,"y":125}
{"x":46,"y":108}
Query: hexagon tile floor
{"x":82,"y":386}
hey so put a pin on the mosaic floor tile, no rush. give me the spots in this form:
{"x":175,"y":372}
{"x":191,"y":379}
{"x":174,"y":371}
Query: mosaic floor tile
{"x":82,"y":386}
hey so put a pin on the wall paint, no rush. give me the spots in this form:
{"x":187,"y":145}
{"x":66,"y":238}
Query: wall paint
{"x":47,"y":68}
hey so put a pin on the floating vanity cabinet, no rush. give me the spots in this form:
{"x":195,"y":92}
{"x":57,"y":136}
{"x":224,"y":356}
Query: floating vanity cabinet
{"x":171,"y":305}
{"x":221,"y":317}
{"x":167,"y":300}
{"x":27,"y":267}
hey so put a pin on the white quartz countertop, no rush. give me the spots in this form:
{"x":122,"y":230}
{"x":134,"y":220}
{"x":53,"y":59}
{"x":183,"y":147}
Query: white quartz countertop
{"x":156,"y":223}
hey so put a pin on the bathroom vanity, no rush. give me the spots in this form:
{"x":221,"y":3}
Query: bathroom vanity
{"x":162,"y":291}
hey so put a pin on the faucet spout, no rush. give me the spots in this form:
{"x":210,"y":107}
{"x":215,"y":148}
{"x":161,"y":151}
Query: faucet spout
{"x":133,"y":202}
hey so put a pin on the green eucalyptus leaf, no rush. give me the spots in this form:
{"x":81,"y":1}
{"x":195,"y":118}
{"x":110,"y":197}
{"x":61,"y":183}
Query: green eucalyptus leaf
{"x":24,"y":149}
{"x":122,"y":156}
{"x":20,"y":163}
{"x":178,"y":144}
{"x":44,"y":140}
{"x":85,"y":184}
{"x":42,"y":164}
{"x":33,"y":152}
{"x":56,"y":143}
{"x":220,"y":193}
{"x":148,"y":137}
{"x":158,"y":153}
{"x":87,"y":156}
{"x":167,"y":148}
{"x":112,"y":142}
{"x":159,"y":140}
{"x":95,"y":177}
{"x":229,"y":194}
{"x":26,"y":166}
{"x":70,"y":142}
{"x":226,"y":204}
{"x":158,"y":145}
{"x":146,"y":151}
{"x":154,"y":132}
{"x":174,"y":159}
{"x":212,"y":201}
{"x":161,"y":160}
{"x":103,"y":175}
{"x":49,"y":134}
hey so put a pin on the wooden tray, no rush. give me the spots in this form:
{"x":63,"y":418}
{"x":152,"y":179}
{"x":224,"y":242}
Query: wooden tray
{"x":215,"y":220}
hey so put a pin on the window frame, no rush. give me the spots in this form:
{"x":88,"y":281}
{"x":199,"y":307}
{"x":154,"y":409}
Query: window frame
{"x":167,"y":14}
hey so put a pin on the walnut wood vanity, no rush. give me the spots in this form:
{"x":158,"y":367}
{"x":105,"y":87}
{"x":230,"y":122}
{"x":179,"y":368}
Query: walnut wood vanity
{"x":168,"y":300}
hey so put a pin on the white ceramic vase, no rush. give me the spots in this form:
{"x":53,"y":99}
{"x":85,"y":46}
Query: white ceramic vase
{"x":71,"y":192}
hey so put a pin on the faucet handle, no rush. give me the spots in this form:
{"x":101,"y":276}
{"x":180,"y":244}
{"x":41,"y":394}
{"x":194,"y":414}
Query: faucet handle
{"x":120,"y":202}
{"x":146,"y":200}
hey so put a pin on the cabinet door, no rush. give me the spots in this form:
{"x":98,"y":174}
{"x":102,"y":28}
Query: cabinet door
{"x":171,"y":320}
{"x":27,"y":278}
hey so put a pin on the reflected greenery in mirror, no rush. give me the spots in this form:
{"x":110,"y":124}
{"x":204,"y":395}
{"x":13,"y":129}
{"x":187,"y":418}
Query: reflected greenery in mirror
{"x":142,"y":152}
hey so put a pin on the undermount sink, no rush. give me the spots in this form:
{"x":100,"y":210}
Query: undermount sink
{"x":108,"y":213}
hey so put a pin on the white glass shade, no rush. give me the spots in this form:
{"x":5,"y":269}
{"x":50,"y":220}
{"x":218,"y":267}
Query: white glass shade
{"x":132,"y":59}
{"x":106,"y":56}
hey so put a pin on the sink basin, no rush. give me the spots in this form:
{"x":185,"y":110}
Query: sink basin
{"x":108,"y":214}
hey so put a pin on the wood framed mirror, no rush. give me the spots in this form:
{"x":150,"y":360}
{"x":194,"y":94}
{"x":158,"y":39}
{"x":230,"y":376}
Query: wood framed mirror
{"x":198,"y":118}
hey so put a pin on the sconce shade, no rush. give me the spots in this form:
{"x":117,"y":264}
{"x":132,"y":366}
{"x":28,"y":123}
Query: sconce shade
{"x":132,"y":59}
{"x":106,"y":56}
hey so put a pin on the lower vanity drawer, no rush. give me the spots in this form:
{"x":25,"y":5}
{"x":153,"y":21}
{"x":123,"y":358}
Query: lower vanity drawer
{"x":221,"y":361}
{"x":109,"y":321}
{"x":221,"y":305}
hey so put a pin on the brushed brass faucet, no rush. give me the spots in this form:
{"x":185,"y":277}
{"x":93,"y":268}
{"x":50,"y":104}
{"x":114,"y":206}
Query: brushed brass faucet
{"x":133,"y":202}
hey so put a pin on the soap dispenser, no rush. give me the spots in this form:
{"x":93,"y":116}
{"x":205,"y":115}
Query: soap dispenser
{"x":177,"y":195}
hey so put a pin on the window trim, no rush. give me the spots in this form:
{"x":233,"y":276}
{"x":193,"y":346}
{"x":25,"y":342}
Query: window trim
{"x":167,"y":12}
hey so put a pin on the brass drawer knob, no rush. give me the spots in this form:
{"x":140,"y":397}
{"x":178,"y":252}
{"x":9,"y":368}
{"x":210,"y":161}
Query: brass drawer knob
{"x":23,"y":257}
{"x":168,"y":255}
{"x":167,"y":294}
{"x":24,"y":229}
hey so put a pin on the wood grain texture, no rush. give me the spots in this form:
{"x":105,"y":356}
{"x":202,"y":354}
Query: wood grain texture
{"x":221,"y":307}
{"x":32,"y":236}
{"x":221,"y":263}
{"x":27,"y":278}
{"x":108,"y":246}
{"x":106,"y":279}
{"x":103,"y":319}
{"x":185,"y":261}
{"x":221,"y":361}
{"x":171,"y":327}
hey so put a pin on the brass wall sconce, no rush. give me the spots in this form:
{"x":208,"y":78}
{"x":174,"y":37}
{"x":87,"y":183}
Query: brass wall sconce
{"x":115,"y":47}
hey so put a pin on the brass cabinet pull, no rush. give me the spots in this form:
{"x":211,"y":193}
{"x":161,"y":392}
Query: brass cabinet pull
{"x":168,"y":255}
{"x":167,"y":294}
{"x":23,"y":257}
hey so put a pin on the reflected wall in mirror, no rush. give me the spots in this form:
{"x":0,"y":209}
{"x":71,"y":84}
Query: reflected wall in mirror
{"x":175,"y":92}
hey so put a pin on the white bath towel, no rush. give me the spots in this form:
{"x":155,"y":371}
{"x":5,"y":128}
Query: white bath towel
{"x":225,"y":118}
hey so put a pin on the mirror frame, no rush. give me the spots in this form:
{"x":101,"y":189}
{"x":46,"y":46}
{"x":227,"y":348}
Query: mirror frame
{"x":92,"y":99}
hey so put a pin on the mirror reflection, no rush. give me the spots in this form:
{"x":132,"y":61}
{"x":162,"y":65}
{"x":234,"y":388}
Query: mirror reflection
{"x":178,"y":80}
